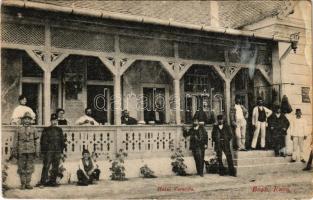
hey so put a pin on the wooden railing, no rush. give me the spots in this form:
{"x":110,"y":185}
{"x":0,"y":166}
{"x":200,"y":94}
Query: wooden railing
{"x":139,"y":141}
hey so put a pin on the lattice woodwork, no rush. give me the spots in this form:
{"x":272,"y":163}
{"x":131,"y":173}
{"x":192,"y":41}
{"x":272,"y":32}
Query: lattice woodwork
{"x":133,"y":45}
{"x":81,"y":40}
{"x":201,"y":52}
{"x":23,"y":34}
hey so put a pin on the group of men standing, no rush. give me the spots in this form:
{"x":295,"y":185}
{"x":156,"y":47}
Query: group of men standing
{"x":271,"y":124}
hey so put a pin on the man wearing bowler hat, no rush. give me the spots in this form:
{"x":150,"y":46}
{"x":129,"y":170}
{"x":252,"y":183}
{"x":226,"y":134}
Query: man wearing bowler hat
{"x":52,"y":145}
{"x":221,"y":136}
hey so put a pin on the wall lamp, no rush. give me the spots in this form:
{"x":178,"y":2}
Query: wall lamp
{"x":294,"y":39}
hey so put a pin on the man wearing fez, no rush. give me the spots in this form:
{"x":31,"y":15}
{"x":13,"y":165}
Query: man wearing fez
{"x":221,"y":136}
{"x":198,"y":144}
{"x":25,"y":150}
{"x":259,"y":121}
{"x":52,"y":144}
{"x":278,"y":125}
{"x":298,"y":134}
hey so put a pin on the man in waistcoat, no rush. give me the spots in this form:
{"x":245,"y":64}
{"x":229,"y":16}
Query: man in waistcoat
{"x":259,"y":121}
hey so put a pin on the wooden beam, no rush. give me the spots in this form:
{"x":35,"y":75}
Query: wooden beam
{"x":126,"y":65}
{"x":169,"y":68}
{"x":38,"y":60}
{"x":109,"y":63}
{"x":177,"y":100}
{"x":183,"y":71}
{"x":117,"y":99}
{"x":55,"y":63}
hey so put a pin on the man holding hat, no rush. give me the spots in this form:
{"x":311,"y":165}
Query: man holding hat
{"x":52,"y":144}
{"x":25,"y":150}
{"x":259,"y":117}
{"x":198,"y":143}
{"x":298,"y":134}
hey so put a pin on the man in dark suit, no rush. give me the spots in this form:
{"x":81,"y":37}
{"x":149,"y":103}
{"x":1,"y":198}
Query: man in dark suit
{"x":198,"y":144}
{"x":52,"y":144}
{"x":126,"y":119}
{"x":278,"y":125}
{"x":221,"y":136}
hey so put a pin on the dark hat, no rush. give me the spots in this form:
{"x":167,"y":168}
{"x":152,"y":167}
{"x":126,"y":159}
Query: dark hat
{"x":27,"y":115}
{"x":85,"y":151}
{"x":276,"y":107}
{"x":59,"y":110}
{"x":298,"y":110}
{"x":21,"y":97}
{"x":259,"y":99}
{"x":220,"y":117}
{"x":53,"y":117}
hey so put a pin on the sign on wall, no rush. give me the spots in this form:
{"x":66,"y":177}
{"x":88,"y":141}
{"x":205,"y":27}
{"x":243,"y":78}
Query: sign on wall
{"x":305,"y":93}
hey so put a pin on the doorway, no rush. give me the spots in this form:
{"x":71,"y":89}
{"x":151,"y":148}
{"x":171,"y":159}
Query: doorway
{"x":154,"y":105}
{"x":31,"y":91}
{"x":98,"y":99}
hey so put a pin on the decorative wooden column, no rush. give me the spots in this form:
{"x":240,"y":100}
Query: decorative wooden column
{"x":117,"y":99}
{"x":47,"y":97}
{"x":177,"y":100}
{"x":227,"y":99}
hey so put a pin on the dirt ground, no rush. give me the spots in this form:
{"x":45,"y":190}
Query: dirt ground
{"x":275,"y":186}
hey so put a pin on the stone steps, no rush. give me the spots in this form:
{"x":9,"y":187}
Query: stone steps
{"x":253,"y":170}
{"x":253,"y":154}
{"x":261,"y":160}
{"x":252,"y":163}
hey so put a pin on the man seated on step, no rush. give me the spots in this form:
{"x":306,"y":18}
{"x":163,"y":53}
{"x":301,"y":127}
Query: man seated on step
{"x":298,"y":134}
{"x":87,"y":119}
{"x":86,"y":172}
{"x":221,"y":137}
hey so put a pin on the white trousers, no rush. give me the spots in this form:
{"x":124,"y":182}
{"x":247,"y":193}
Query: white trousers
{"x":298,"y":143}
{"x":241,"y":133}
{"x":259,"y":126}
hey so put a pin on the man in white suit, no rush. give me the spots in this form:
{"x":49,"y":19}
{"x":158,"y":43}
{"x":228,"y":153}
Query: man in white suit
{"x":259,"y":120}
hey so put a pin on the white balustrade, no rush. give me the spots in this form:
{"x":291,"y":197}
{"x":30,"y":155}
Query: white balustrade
{"x":141,"y":141}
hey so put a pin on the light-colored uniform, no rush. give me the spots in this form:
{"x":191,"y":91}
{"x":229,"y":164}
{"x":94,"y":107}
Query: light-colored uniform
{"x":19,"y":112}
{"x":241,"y":124}
{"x":298,"y":131}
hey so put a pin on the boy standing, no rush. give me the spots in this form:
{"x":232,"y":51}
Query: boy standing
{"x":25,"y":150}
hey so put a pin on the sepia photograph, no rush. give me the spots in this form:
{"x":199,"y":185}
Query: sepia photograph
{"x":132,"y":99}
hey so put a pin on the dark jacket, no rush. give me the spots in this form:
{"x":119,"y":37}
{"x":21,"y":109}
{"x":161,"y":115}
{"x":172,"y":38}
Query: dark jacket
{"x":221,"y":136}
{"x":201,"y":116}
{"x":278,"y":125}
{"x":130,"y":121}
{"x":198,"y":137}
{"x":52,"y":140}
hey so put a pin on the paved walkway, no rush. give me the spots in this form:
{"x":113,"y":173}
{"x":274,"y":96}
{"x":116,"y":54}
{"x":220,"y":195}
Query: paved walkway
{"x":297,"y":185}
